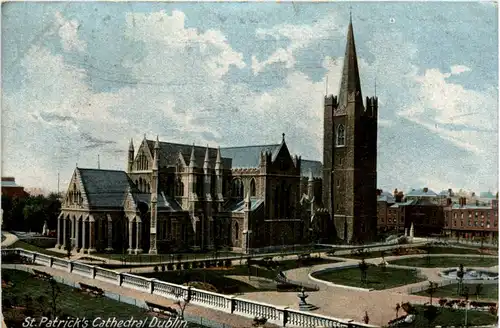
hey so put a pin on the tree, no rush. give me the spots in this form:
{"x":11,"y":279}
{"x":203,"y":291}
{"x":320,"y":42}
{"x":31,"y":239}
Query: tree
{"x":431,"y":290}
{"x":397,"y":308}
{"x":430,"y":313}
{"x":479,"y":289}
{"x":363,"y":267}
{"x":182,"y":302}
{"x":54,"y":293}
{"x":366,"y":318}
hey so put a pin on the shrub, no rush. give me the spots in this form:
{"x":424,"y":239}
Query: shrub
{"x":227,"y":263}
{"x":443,"y":301}
{"x":163,"y":267}
{"x":156,"y":268}
{"x":408,"y":308}
{"x":170,"y":266}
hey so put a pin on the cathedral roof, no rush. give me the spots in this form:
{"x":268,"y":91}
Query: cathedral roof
{"x":105,"y":188}
{"x":315,"y":166}
{"x":247,"y":156}
{"x":239,"y":205}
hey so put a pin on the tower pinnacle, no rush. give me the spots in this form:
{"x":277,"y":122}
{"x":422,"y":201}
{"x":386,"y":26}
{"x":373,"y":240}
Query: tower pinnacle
{"x":350,"y":82}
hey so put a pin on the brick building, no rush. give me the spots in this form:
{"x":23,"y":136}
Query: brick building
{"x":11,"y":189}
{"x":472,"y":221}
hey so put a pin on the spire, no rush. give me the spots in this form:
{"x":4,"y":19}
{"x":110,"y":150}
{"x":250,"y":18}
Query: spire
{"x":131,"y":145}
{"x":157,"y":143}
{"x":192,"y":162}
{"x":283,"y":135}
{"x":206,"y":163}
{"x":350,"y":82}
{"x":218,"y":161}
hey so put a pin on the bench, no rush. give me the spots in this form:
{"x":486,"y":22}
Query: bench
{"x":160,"y":310}
{"x":91,"y":289}
{"x":41,"y":275}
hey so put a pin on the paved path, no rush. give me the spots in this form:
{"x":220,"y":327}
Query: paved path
{"x":228,"y":319}
{"x":9,"y":239}
{"x":347,"y":303}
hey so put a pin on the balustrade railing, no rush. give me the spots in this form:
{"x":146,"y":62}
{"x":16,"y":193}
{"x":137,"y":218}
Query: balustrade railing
{"x":274,"y":314}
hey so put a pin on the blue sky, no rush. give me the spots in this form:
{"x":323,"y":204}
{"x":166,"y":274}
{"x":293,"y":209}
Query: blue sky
{"x":81,"y":79}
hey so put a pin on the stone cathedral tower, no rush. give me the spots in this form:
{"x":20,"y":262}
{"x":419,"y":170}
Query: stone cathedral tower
{"x":350,"y":155}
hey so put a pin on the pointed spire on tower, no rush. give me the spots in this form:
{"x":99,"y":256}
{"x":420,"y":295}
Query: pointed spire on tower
{"x":350,"y":82}
{"x":157,"y":143}
{"x":283,"y":135}
{"x":218,"y":160}
{"x":192,"y":160}
{"x":131,"y":145}
{"x":206,"y":162}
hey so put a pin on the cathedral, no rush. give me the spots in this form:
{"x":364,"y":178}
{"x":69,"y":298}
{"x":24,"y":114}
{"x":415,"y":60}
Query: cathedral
{"x":177,"y":197}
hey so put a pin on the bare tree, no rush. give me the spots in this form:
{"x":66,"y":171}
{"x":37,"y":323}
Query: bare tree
{"x":460,"y":276}
{"x":54,"y":293}
{"x":182,"y":301}
{"x":431,"y":290}
{"x":479,"y":289}
{"x":366,"y":318}
{"x":363,"y":267}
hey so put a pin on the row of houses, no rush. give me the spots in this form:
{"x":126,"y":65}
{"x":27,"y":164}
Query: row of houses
{"x":448,"y":214}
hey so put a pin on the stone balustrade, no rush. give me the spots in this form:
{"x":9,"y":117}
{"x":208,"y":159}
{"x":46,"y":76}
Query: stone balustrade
{"x":281,"y":316}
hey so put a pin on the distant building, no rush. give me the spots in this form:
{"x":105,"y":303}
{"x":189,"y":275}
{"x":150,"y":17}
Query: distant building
{"x":11,"y":189}
{"x":472,"y":221}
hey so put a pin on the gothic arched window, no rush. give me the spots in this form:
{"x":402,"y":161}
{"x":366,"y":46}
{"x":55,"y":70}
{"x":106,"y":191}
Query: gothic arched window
{"x":252,"y":188}
{"x":237,"y":188}
{"x":236,"y":231}
{"x":340,"y":135}
{"x":179,"y":188}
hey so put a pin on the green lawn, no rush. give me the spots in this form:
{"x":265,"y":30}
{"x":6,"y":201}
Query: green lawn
{"x":446,"y":262}
{"x":449,"y":317}
{"x":488,"y":292}
{"x":432,"y":250}
{"x":377,"y":277}
{"x":163,"y":258}
{"x":33,"y":248}
{"x":217,"y":277}
{"x":70,"y":302}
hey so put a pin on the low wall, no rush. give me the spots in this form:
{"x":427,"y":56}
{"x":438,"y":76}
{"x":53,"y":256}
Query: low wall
{"x":282,"y":316}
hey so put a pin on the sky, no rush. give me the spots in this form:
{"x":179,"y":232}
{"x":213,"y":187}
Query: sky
{"x":79,"y":80}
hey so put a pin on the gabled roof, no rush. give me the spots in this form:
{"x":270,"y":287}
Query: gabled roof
{"x":386,"y":197}
{"x":407,"y":203}
{"x":105,"y":188}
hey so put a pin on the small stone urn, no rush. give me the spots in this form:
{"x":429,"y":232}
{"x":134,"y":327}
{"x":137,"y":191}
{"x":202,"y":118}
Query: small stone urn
{"x":303,"y":306}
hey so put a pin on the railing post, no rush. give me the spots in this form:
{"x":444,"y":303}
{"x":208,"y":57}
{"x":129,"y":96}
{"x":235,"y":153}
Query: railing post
{"x":232,"y":303}
{"x":120,"y":278}
{"x":70,"y":266}
{"x":152,"y":285}
{"x":51,"y":261}
{"x":33,"y":257}
{"x":92,"y":272}
{"x":282,"y":315}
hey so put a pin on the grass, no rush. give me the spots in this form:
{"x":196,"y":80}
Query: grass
{"x":33,"y":248}
{"x":217,"y":277}
{"x":70,"y":302}
{"x":163,"y":258}
{"x":489,"y":292}
{"x":446,"y":262}
{"x":377,"y":277}
{"x":432,"y":250}
{"x":450,"y":317}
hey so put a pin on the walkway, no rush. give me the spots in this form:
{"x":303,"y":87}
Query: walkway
{"x":9,"y":239}
{"x":228,"y":319}
{"x":348,"y":303}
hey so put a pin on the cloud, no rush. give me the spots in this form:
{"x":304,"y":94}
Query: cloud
{"x":68,"y":32}
{"x":299,"y":37}
{"x":461,"y":116}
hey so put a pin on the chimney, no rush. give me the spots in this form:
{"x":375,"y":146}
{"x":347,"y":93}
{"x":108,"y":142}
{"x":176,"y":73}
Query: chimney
{"x":450,"y":192}
{"x":426,"y":189}
{"x":448,"y":201}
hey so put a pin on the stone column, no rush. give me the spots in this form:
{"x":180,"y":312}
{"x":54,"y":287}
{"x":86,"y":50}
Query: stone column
{"x":110,"y":234}
{"x":130,"y":232}
{"x":138,"y":239}
{"x":91,"y":235}
{"x":65,"y":234}
{"x":59,"y":233}
{"x":84,"y":235}
{"x":77,"y":232}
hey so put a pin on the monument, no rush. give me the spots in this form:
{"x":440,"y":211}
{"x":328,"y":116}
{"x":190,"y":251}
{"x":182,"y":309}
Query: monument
{"x":45,"y":229}
{"x":303,"y":305}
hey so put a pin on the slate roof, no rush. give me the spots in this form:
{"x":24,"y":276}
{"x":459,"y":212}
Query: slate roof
{"x":169,"y":153}
{"x":247,"y":156}
{"x":386,"y":197}
{"x":164,"y":202}
{"x":239,"y":206}
{"x":7,"y":184}
{"x":105,"y":188}
{"x":315,"y":166}
{"x":421,"y":193}
{"x":471,"y":207}
{"x":408,"y":202}
{"x":487,"y":194}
